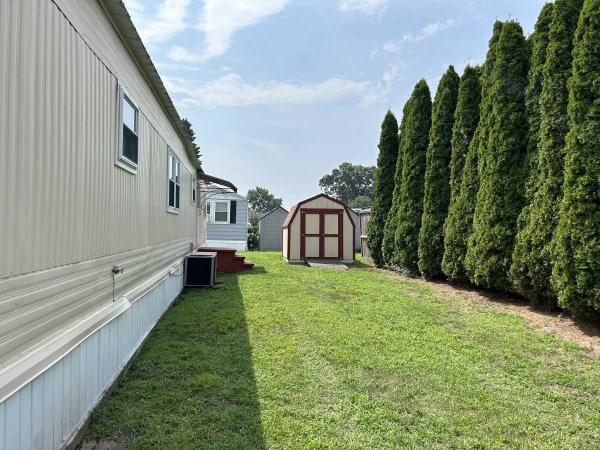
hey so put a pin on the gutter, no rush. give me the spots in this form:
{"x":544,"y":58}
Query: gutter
{"x":121,"y":21}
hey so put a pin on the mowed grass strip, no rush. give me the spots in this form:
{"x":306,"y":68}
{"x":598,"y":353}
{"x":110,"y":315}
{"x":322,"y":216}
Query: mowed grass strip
{"x":293,"y":357}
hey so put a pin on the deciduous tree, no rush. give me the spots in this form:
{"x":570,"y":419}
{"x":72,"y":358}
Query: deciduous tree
{"x":261,"y":200}
{"x":348,"y":182}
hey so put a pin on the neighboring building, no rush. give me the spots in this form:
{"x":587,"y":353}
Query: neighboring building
{"x":270,"y":236}
{"x":356,"y":219}
{"x":320,"y":227}
{"x":365,"y":216}
{"x":98,"y":191}
{"x":227,"y":215}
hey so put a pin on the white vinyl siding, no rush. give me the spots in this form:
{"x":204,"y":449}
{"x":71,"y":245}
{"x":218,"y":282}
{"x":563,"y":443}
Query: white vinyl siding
{"x":83,"y":214}
{"x":229,"y":232}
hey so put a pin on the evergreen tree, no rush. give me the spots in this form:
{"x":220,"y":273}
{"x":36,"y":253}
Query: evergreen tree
{"x":384,"y":185}
{"x":437,"y":176}
{"x":466,"y":119}
{"x":576,"y":272}
{"x":187,"y":126}
{"x":410,"y":211}
{"x":392,"y":218}
{"x":532,"y":257}
{"x":500,"y":195}
{"x":539,"y":45}
{"x":459,"y":222}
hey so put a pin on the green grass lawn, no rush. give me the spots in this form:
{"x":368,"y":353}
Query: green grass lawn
{"x":290,"y":357}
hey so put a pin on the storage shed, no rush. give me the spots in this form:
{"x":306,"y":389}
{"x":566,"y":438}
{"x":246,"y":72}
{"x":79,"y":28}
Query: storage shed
{"x":365,"y":216}
{"x":269,"y":229}
{"x":356,"y":219}
{"x":320,"y":227}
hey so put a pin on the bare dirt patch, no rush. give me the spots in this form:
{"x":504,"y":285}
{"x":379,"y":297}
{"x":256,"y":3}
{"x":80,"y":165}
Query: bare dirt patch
{"x":557,"y":323}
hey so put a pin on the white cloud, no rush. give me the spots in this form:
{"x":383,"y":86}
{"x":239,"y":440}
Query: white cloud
{"x":429,"y":30}
{"x":394,"y":47}
{"x":219,"y":21}
{"x":231,"y":90}
{"x":365,"y":6}
{"x":381,"y":90}
{"x":166,"y":22}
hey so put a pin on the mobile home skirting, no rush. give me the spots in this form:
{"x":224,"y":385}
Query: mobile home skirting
{"x":48,"y":411}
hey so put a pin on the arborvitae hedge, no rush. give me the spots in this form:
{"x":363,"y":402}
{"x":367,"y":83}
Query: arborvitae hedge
{"x":466,"y":118}
{"x":500,"y":195}
{"x":391,"y":223}
{"x":576,"y":272}
{"x":418,"y":124}
{"x":532,"y":257}
{"x":539,"y":45}
{"x":384,"y":185}
{"x":459,"y":223}
{"x":437,"y":176}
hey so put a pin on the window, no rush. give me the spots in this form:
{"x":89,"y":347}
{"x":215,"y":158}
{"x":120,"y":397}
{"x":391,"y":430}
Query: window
{"x":221,"y":212}
{"x":174,"y":173}
{"x":128,"y":152}
{"x":218,"y":211}
{"x":194,"y":187}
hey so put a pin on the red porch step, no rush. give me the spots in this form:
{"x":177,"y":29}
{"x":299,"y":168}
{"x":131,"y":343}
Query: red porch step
{"x":227,"y":260}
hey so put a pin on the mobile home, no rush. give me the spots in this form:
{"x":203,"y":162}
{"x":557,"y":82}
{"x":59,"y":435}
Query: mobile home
{"x":227,"y":218}
{"x":99,"y":197}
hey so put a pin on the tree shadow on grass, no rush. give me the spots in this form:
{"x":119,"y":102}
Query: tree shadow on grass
{"x":192,"y":385}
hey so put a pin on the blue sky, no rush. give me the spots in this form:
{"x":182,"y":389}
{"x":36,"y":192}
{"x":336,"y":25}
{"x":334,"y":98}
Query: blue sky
{"x":280,"y":92}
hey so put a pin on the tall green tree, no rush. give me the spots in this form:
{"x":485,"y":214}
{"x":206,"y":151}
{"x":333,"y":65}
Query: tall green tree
{"x":261,"y":200}
{"x":539,"y":49}
{"x":187,"y":126}
{"x":437,"y":176}
{"x":415,"y":141}
{"x":466,"y":119}
{"x":389,"y":233}
{"x":384,"y":185}
{"x":576,"y":272}
{"x":500,"y":195}
{"x":349,"y":181}
{"x":532,"y":262}
{"x":459,"y":223}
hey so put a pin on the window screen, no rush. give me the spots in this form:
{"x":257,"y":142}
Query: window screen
{"x":174,"y":181}
{"x":222,"y":212}
{"x":128,"y":151}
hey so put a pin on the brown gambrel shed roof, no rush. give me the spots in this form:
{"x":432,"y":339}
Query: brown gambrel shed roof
{"x":294,"y":209}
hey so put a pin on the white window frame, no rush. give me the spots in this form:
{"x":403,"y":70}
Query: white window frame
{"x":194,"y":193}
{"x":120,"y":159}
{"x":213,"y":207}
{"x":177,"y":182}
